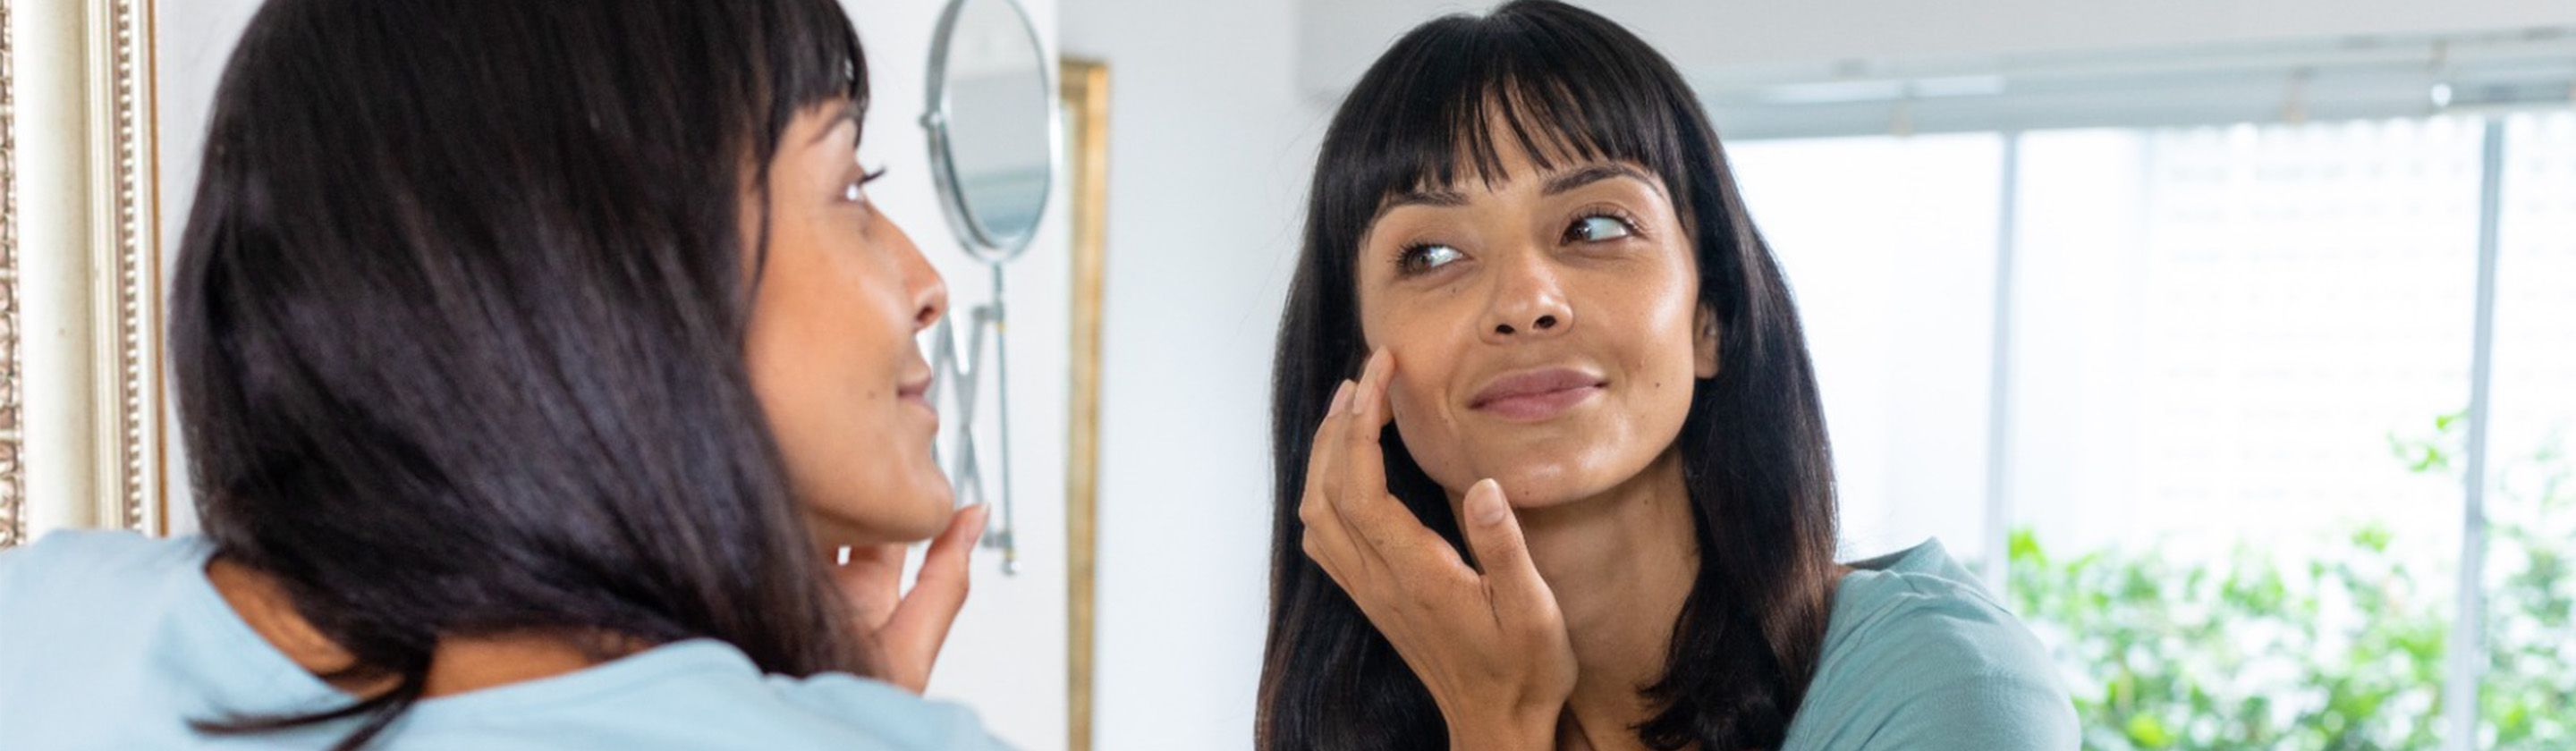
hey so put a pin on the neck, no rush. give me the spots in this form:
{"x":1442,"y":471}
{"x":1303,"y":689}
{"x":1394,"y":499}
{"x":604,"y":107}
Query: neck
{"x":457,"y":665}
{"x":1621,"y":564}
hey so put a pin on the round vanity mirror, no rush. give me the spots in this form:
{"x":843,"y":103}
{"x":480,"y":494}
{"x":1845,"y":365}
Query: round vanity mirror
{"x":992,"y":125}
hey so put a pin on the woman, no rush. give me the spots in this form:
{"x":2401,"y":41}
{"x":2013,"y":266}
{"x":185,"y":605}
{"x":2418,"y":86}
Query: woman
{"x":532,"y":358}
{"x":1603,"y":516}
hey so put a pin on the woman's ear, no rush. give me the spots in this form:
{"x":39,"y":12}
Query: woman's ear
{"x":1704,"y":342}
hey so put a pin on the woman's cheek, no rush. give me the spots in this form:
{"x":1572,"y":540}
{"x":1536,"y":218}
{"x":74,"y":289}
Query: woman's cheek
{"x":1433,"y":441}
{"x":1403,"y":396}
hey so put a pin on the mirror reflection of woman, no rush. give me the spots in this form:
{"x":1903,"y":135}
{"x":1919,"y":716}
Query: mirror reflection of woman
{"x":1552,"y":465}
{"x":538,"y":363}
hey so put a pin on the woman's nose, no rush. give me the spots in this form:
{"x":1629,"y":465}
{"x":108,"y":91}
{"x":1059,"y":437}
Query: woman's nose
{"x":1528,"y":302}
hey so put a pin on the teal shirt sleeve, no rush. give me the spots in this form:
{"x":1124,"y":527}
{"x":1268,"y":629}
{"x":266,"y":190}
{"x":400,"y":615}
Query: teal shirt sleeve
{"x":1918,"y":657}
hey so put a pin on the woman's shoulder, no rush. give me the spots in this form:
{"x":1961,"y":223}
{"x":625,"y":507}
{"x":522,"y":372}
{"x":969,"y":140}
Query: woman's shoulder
{"x":96,"y":553}
{"x":698,"y":693}
{"x":905,"y":719}
{"x":1921,"y":596}
{"x":75,"y":597}
{"x":1917,"y":654}
{"x":93,"y":605}
{"x":88,"y":569}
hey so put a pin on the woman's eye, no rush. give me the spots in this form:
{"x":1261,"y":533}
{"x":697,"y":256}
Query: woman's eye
{"x":856,"y":190}
{"x":1421,"y":258}
{"x":1597,"y":228}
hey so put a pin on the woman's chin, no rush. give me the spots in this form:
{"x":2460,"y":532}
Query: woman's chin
{"x":937,"y":502}
{"x":1535,"y":495}
{"x":905,"y":517}
{"x":1539,"y":479}
{"x":922,"y":517}
{"x":1535,"y":488}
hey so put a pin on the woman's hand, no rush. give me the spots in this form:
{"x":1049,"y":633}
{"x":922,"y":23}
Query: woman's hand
{"x":907,"y":629}
{"x":1490,"y":646}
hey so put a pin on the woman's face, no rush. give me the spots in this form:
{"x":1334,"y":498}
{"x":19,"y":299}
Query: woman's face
{"x":831,"y":349}
{"x":1546,"y":327}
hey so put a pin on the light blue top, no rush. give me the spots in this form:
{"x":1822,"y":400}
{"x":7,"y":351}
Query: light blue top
{"x":1919,"y":657}
{"x":111,"y":640}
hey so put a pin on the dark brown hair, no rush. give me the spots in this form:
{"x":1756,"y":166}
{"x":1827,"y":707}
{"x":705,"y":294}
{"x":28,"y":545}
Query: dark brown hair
{"x":458,"y":325}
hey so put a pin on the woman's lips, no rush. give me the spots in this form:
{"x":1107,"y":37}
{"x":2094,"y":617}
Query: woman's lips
{"x":1535,"y":395}
{"x":916,"y":392}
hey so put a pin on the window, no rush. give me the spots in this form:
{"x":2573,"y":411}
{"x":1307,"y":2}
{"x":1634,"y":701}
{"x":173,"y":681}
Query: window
{"x":1889,"y":247}
{"x":2200,"y":399}
{"x":2528,"y":681}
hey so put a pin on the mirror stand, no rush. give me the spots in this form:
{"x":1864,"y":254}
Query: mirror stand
{"x":958,"y":357}
{"x":994,"y":148}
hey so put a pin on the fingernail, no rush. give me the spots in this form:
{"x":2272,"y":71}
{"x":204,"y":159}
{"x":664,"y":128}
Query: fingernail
{"x":1490,"y":509}
{"x":1341,"y":399}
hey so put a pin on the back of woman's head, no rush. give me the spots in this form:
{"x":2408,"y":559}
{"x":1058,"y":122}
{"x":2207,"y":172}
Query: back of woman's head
{"x":458,"y":323}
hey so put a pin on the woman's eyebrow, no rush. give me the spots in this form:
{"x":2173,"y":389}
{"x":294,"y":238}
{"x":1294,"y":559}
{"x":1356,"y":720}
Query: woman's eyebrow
{"x":1593,"y":173}
{"x":1563,"y":182}
{"x":1423,"y":197}
{"x":1428,"y":197}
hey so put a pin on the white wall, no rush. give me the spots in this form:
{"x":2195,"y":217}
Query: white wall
{"x":1209,"y":152}
{"x":1338,"y":38}
{"x":1897,"y":314}
{"x":1006,"y":655}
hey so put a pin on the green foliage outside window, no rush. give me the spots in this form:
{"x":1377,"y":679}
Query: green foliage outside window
{"x":2342,"y":650}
